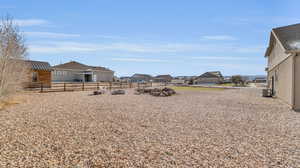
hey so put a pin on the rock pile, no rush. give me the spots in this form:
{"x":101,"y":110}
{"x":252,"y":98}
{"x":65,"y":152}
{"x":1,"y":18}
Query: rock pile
{"x":118,"y":92}
{"x":164,"y":92}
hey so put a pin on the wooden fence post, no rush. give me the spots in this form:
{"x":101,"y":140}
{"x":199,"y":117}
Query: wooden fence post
{"x":110,"y":85}
{"x":97,"y":85}
{"x":82,"y":86}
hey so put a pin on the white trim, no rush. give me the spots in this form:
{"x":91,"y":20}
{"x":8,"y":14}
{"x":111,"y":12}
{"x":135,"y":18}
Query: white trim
{"x":280,"y":62}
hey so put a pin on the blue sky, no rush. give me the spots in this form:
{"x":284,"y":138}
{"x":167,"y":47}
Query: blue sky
{"x":156,"y":37}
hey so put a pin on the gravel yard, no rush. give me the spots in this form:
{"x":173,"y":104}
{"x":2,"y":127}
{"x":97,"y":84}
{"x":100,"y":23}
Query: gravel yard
{"x":225,"y":128}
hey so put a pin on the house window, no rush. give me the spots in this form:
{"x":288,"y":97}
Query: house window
{"x":34,"y":76}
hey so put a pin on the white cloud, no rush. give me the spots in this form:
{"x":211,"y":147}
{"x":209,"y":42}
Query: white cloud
{"x":138,"y":60}
{"x":221,"y":58}
{"x":220,"y":38}
{"x":30,"y":22}
{"x":63,"y":47}
{"x":50,"y":35}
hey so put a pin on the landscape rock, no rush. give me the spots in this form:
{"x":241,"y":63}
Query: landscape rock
{"x":118,"y":92}
{"x":98,"y":92}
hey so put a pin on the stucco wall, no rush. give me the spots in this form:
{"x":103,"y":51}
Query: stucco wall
{"x":283,"y":74}
{"x":104,"y":76}
{"x":207,"y":80}
{"x":65,"y":76}
{"x":297,"y":82}
{"x":71,"y":76}
{"x":276,"y":56}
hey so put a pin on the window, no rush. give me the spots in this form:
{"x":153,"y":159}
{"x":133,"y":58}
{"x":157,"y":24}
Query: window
{"x":34,"y":76}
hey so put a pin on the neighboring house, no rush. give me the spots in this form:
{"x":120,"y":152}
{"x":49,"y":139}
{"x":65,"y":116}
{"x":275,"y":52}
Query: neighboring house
{"x":40,"y":73}
{"x":213,"y":77}
{"x":283,"y":69}
{"x":178,"y":82}
{"x":163,"y":78}
{"x":77,"y":72}
{"x":227,"y":79}
{"x":187,"y":79}
{"x":141,"y":78}
{"x":260,"y":80}
{"x":125,"y":79}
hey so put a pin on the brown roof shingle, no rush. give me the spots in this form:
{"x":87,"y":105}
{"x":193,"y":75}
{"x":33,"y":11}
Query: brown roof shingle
{"x":73,"y":65}
{"x":289,"y":36}
{"x":38,"y":65}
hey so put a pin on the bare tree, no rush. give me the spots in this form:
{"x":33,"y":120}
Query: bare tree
{"x":12,"y":56}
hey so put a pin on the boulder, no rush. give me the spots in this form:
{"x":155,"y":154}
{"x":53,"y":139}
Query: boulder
{"x":98,"y":92}
{"x":118,"y":92}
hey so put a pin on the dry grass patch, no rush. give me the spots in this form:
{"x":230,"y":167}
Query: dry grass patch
{"x":4,"y":103}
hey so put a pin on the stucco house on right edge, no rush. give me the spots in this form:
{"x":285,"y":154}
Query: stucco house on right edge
{"x":283,"y":69}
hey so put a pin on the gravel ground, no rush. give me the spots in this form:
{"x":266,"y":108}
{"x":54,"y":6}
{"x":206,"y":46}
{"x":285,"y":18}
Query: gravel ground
{"x":230,"y":128}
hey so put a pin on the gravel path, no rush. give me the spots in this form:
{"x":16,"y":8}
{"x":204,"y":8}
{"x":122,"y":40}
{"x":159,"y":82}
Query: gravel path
{"x":230,"y":128}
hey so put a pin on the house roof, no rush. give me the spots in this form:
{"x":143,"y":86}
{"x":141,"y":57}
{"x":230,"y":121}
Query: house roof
{"x":164,"y":77}
{"x":212,"y":74}
{"x":38,"y":65}
{"x":288,"y":36}
{"x":141,"y":76}
{"x":73,"y":65}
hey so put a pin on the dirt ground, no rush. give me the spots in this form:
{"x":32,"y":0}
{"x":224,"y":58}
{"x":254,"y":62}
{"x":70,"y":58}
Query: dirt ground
{"x":225,"y":128}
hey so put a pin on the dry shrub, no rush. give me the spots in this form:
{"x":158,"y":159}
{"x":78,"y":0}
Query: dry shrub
{"x":13,"y":69}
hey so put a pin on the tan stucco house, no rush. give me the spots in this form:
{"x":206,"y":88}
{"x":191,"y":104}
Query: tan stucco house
{"x":283,"y":69}
{"x":212,"y":77}
{"x":76,"y":72}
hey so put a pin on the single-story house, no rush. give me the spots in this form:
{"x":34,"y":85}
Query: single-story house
{"x":178,"y":81}
{"x":141,"y":78}
{"x":163,"y":78}
{"x":125,"y":79}
{"x":283,"y":54}
{"x":260,"y":80}
{"x":39,"y":72}
{"x":213,"y":77}
{"x":76,"y":72}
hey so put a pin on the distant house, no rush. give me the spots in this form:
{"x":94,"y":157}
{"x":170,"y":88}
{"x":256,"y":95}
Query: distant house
{"x":227,"y":79}
{"x":125,"y":79}
{"x":213,"y":77}
{"x":141,"y":78}
{"x":163,"y":78}
{"x":178,"y":82}
{"x":283,"y":54}
{"x":260,"y":80}
{"x":40,"y":73}
{"x":77,"y":72}
{"x":186,"y":79}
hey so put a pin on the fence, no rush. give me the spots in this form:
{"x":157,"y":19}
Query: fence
{"x":82,"y":86}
